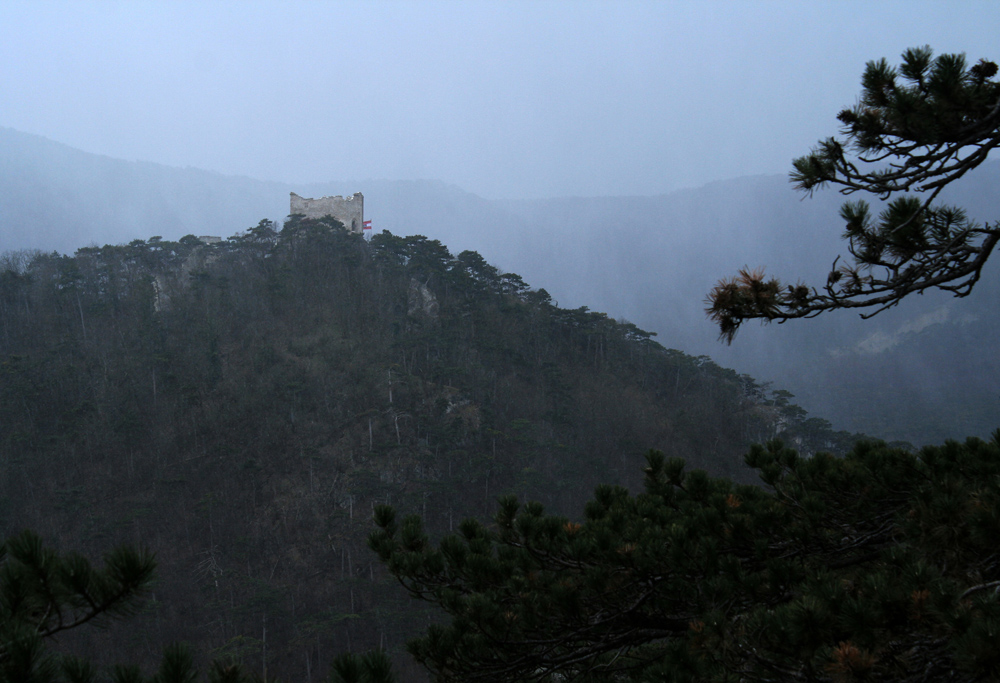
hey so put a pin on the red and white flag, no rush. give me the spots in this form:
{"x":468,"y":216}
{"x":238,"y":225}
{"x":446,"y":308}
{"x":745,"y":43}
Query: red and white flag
{"x":366,"y":225}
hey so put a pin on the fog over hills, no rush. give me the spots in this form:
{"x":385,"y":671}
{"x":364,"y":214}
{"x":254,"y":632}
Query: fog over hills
{"x":922,"y":372}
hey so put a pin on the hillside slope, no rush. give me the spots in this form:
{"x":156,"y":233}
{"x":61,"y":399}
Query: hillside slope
{"x":914,"y":373}
{"x":651,"y":260}
{"x":241,"y":407}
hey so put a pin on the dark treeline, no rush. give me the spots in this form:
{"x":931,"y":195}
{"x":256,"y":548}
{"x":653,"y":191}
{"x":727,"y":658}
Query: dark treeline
{"x":240,"y":407}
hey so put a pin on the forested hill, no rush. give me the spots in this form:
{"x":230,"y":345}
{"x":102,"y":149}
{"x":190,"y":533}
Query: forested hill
{"x":240,"y":407}
{"x":914,"y":373}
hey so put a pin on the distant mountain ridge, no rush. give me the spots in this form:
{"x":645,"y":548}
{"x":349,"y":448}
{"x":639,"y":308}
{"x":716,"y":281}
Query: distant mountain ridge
{"x":54,"y":197}
{"x":650,"y":260}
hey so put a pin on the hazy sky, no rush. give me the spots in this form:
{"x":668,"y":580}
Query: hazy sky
{"x":504,"y":99}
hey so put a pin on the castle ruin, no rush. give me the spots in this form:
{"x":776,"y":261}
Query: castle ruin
{"x":348,"y":210}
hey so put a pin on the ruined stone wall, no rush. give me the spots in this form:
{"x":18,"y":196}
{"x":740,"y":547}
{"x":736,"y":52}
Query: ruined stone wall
{"x":348,"y":210}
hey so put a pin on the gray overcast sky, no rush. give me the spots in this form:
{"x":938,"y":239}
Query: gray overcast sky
{"x":503,"y":99}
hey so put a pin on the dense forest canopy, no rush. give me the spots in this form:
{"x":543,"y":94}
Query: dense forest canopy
{"x":240,"y":408}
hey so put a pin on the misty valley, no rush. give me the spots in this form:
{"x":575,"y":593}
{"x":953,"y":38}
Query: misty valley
{"x":302,"y":428}
{"x":499,"y":341}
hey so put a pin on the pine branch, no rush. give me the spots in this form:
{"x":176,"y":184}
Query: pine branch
{"x":915,"y":138}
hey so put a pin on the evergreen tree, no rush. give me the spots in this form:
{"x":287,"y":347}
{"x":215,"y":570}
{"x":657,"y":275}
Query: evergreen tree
{"x":371,"y":667}
{"x":879,"y":566}
{"x":915,"y":129}
{"x":43,"y":594}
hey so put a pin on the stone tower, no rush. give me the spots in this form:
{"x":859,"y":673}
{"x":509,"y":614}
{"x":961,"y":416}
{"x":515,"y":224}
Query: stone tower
{"x":348,"y":210}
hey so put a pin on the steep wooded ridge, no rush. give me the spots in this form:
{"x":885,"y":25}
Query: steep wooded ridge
{"x":915,"y":373}
{"x":240,"y":408}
